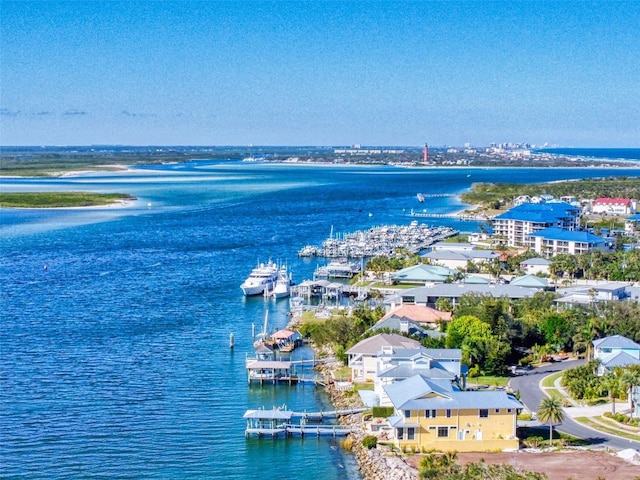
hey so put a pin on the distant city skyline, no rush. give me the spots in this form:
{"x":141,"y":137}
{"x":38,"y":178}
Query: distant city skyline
{"x":561,"y":73}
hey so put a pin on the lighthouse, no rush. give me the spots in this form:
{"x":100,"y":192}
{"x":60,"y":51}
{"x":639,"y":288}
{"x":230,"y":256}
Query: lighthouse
{"x":426,"y":153}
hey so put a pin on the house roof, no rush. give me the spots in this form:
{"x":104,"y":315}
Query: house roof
{"x":434,"y":353}
{"x":530,"y":281}
{"x":406,"y":370}
{"x":423,"y":273}
{"x":373,"y":345}
{"x":561,"y":234}
{"x":460,"y":255}
{"x":285,"y":334}
{"x":611,"y":201}
{"x":456,"y":290}
{"x":394,"y":323}
{"x":476,"y":279}
{"x":421,"y":393}
{"x":536,"y":261}
{"x":540,"y":212}
{"x":418,"y":313}
{"x":618,"y":359}
{"x":616,"y":341}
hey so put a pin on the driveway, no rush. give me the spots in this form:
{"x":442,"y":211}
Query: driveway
{"x":531,"y":396}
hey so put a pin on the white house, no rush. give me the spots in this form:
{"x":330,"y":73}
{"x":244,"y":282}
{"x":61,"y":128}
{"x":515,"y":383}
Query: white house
{"x":614,"y":206}
{"x":615,"y":351}
{"x":533,"y":266}
{"x":363,"y":356}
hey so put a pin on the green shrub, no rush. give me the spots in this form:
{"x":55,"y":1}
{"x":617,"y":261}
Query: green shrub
{"x":370,"y":441}
{"x":382,"y":412}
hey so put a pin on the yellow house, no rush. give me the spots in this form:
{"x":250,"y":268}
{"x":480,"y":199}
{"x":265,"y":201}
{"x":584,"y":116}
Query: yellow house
{"x":436,"y":414}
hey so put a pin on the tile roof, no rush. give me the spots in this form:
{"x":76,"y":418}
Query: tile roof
{"x":418,"y":313}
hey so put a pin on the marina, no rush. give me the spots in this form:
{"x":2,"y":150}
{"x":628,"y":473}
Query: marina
{"x":378,"y":241}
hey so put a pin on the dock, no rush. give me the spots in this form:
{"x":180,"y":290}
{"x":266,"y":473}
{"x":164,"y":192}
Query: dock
{"x":277,"y":421}
{"x":379,"y":241}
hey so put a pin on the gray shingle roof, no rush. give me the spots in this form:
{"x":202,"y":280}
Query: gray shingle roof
{"x":616,"y":341}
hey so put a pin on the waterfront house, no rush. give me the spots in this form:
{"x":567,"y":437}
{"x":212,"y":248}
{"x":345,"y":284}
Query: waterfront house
{"x":516,"y":225}
{"x":397,"y":364}
{"x":533,"y":266}
{"x":615,"y":351}
{"x":553,"y":241}
{"x":363,"y":356}
{"x":530,"y":281}
{"x":632,"y":224}
{"x":436,"y":414}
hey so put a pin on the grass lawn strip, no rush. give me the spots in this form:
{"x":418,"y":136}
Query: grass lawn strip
{"x":603,"y":428}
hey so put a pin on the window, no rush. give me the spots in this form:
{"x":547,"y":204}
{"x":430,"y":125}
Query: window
{"x":497,"y":410}
{"x":430,"y":413}
{"x":483,"y":413}
{"x":407,"y":413}
{"x":509,"y":410}
{"x":400,"y":433}
{"x":448,"y":413}
{"x":411,"y":433}
{"x":443,"y":432}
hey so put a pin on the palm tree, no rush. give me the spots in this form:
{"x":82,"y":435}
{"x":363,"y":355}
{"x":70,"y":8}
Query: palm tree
{"x":630,"y":379}
{"x":612,"y":384}
{"x":550,"y":411}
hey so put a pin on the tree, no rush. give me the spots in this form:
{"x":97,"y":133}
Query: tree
{"x":550,"y":411}
{"x":613,"y":385}
{"x":629,"y":380}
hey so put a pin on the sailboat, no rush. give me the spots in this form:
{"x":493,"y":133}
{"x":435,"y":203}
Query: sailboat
{"x":261,"y":338}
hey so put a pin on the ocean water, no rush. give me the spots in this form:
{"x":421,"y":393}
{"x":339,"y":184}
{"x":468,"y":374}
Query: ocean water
{"x":114,"y":360}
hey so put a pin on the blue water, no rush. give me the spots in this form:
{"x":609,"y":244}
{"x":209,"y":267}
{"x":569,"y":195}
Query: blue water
{"x":114,"y":360}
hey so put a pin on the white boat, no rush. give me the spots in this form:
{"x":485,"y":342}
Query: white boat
{"x":338,"y":268}
{"x":262,"y":278}
{"x":420,"y":197}
{"x":282,"y":288}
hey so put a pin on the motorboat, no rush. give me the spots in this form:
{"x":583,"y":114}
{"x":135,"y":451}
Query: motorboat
{"x":263,"y":277}
{"x":420,"y":197}
{"x":282,"y":288}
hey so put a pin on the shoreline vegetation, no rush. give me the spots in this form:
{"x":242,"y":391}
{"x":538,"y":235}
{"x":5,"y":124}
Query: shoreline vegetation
{"x":60,"y":161}
{"x":62,"y":199}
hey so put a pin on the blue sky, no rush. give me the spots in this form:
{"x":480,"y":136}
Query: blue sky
{"x":320,"y":72}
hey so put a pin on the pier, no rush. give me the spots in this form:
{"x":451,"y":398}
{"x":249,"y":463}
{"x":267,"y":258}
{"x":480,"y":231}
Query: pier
{"x":277,"y":421}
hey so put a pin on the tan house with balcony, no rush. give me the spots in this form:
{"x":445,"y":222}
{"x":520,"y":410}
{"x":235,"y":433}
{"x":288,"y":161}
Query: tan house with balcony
{"x":436,"y":414}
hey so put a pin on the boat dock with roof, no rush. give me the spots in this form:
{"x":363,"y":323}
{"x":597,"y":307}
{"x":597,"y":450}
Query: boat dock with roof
{"x":279,"y":421}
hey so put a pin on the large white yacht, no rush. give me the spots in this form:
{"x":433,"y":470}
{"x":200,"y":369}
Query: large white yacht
{"x":262,"y":278}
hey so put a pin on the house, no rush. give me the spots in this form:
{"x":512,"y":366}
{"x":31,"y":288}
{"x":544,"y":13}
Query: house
{"x":436,"y":414}
{"x":517,"y":224}
{"x":552,"y":241}
{"x":632,"y":224}
{"x":459,"y":259}
{"x":421,"y":314}
{"x":406,"y":326}
{"x":362,"y":358}
{"x":429,"y":295}
{"x":530,"y":281}
{"x":396,"y":364}
{"x":615,"y":351}
{"x":533,"y":266}
{"x":423,"y":274}
{"x":594,"y":293}
{"x":614,"y":206}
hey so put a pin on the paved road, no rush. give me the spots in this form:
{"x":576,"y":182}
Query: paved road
{"x":531,"y":395}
